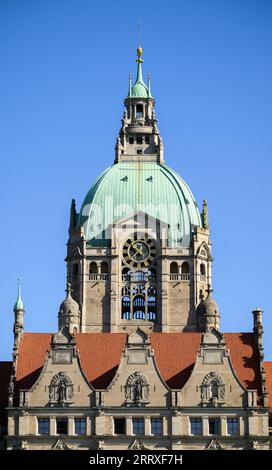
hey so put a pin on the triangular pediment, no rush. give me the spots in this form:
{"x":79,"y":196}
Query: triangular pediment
{"x":214,"y":445}
{"x":139,"y":219}
{"x":137,"y":445}
{"x":60,"y":445}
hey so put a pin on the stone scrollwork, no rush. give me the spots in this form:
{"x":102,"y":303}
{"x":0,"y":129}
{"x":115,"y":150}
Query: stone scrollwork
{"x":61,"y":390}
{"x":213,"y":390}
{"x":137,"y":390}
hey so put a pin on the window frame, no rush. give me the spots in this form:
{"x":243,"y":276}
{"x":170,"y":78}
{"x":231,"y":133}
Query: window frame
{"x":119,"y":419}
{"x":58,"y":420}
{"x":136,"y":432}
{"x":40,"y":419}
{"x":81,"y":420}
{"x":218,"y":421}
{"x":155,"y":420}
{"x":232,"y":420}
{"x":199,"y":425}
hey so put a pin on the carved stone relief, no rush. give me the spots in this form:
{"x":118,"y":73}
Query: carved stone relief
{"x":60,"y":390}
{"x":137,"y":390}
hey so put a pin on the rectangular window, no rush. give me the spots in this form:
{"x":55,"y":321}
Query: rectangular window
{"x":119,"y":426}
{"x":43,"y":425}
{"x":214,"y":426}
{"x":138,"y":426}
{"x":232,"y":424}
{"x":156,"y":426}
{"x":147,"y":139}
{"x":62,"y":426}
{"x":196,"y":426}
{"x":139,"y":152}
{"x":80,"y":426}
{"x":139,"y":139}
{"x":131,"y":140}
{"x":139,"y":111}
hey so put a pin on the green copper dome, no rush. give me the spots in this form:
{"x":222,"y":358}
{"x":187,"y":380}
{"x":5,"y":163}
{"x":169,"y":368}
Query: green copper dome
{"x":127,"y":187}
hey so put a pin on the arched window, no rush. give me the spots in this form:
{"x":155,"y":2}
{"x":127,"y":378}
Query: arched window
{"x":174,"y":268}
{"x":139,"y":111}
{"x":185,"y":268}
{"x":203,"y":269}
{"x":126,"y":308}
{"x":138,"y":307}
{"x":93,"y":268}
{"x":93,"y":271}
{"x":104,"y":268}
{"x":151,"y":308}
{"x":126,"y":274}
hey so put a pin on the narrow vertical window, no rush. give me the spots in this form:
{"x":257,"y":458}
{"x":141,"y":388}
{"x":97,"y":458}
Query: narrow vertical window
{"x":196,"y":426}
{"x":43,"y":426}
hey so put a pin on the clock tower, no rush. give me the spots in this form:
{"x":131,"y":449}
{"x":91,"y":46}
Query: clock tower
{"x":139,"y":251}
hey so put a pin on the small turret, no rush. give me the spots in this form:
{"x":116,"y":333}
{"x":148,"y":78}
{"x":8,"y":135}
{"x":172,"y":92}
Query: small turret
{"x":208,"y":315}
{"x":69,"y":313}
{"x":205,"y":215}
{"x":18,"y":327}
{"x":73,"y":214}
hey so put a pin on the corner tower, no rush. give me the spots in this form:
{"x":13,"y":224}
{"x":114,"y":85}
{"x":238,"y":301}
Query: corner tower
{"x":139,"y":251}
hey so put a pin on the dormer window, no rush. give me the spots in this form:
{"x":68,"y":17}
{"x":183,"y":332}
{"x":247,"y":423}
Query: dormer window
{"x":139,"y":111}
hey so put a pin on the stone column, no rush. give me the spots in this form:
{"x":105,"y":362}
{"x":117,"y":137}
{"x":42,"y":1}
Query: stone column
{"x":129,"y":428}
{"x":223,"y":423}
{"x":164,"y":426}
{"x":53,"y":426}
{"x":205,"y":425}
{"x":23,"y":425}
{"x":11,"y":426}
{"x":71,"y":426}
{"x":88,"y":426}
{"x":147,"y":426}
{"x":241,"y":424}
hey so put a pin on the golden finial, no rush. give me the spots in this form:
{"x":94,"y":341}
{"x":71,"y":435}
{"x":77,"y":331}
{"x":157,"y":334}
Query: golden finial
{"x":139,"y":54}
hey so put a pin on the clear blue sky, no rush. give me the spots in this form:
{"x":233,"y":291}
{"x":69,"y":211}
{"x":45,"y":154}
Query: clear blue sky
{"x":64,"y":74}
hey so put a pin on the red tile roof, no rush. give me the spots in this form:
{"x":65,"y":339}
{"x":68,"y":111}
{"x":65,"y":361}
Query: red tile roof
{"x":244,"y":355}
{"x":268,"y":370}
{"x":175,"y":355}
{"x":5,"y":371}
{"x":32,"y":352}
{"x":100,"y":355}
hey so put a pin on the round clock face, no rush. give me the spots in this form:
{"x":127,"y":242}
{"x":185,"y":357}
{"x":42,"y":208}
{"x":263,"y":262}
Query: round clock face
{"x":139,"y":253}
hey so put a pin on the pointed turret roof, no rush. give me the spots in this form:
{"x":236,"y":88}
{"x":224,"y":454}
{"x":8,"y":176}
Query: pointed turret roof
{"x":139,"y":89}
{"x":19,"y":305}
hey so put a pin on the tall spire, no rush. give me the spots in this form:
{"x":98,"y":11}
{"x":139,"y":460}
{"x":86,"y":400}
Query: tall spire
{"x":149,"y":86}
{"x":139,"y":89}
{"x":129,"y":86}
{"x":140,"y":61}
{"x":19,"y":303}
